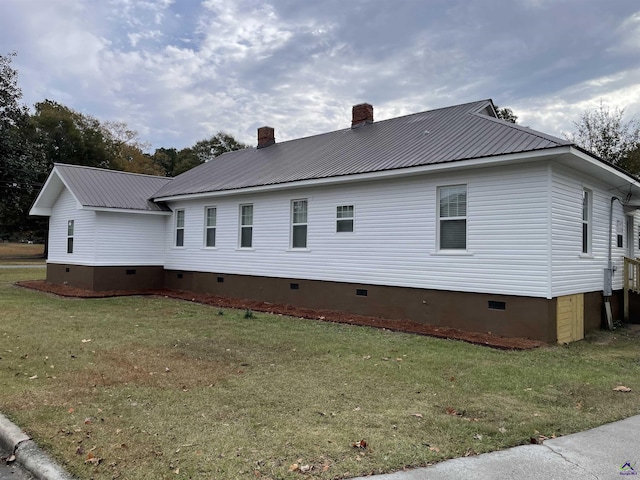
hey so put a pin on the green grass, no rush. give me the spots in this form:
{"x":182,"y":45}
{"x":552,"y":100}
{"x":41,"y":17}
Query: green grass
{"x":160,"y":388}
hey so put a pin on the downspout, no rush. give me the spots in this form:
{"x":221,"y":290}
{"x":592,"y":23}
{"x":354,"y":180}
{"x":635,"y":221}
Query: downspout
{"x":608,"y":273}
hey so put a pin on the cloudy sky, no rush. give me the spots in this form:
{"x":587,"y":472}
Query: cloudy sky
{"x":178,"y":71}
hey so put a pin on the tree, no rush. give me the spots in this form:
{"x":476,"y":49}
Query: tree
{"x":67,"y":136}
{"x":128,"y":150}
{"x":604,"y":133}
{"x":22,"y":165}
{"x":176,"y":162}
{"x":506,"y":114}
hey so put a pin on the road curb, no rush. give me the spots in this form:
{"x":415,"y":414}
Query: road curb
{"x":28,"y":454}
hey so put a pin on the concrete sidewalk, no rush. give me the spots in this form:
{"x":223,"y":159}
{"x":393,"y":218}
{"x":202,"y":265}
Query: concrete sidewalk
{"x":607,"y":452}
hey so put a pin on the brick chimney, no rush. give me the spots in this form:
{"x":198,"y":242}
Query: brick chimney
{"x":266,"y":137}
{"x":361,"y":114}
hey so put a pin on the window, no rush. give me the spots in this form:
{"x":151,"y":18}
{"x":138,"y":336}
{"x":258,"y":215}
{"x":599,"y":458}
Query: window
{"x":246,"y":226}
{"x":179,"y":228}
{"x":70,"y":226}
{"x":344,"y":218}
{"x":586,"y":220}
{"x":452,"y":214}
{"x":299,"y":224}
{"x":210,"y":227}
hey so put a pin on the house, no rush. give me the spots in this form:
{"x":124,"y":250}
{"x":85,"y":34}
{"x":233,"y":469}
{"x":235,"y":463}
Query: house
{"x":451,"y":217}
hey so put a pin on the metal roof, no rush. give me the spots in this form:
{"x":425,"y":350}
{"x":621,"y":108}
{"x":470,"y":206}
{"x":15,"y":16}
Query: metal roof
{"x":460,"y":132}
{"x":98,"y":188}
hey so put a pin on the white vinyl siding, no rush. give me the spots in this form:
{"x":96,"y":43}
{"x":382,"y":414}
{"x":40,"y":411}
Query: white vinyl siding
{"x":84,"y":235}
{"x":131,"y":238}
{"x":507,"y":247}
{"x":571,"y":270}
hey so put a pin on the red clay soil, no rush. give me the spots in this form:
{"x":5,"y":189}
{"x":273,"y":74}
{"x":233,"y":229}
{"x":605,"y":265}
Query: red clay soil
{"x":486,"y":339}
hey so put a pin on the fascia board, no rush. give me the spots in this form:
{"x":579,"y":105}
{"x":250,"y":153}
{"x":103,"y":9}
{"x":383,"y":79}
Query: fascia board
{"x":126,"y":210}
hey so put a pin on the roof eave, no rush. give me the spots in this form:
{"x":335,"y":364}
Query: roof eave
{"x":394,"y":173}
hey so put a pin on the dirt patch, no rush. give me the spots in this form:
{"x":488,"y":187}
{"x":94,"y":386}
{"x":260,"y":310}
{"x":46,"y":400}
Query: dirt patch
{"x":486,"y":339}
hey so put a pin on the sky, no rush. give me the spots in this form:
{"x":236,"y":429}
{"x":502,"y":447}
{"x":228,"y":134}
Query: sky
{"x":179,"y":71}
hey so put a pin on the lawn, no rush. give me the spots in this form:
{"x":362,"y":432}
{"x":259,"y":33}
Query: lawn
{"x":152,"y":388}
{"x":13,"y":252}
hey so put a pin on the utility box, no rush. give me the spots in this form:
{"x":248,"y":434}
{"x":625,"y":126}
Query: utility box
{"x":608,"y":282}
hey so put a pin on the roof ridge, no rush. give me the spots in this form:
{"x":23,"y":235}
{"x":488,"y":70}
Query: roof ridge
{"x":100,"y":169}
{"x":488,"y":100}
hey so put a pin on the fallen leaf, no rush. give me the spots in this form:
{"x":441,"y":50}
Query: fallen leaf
{"x":33,"y":377}
{"x":360,"y":444}
{"x":87,"y":421}
{"x":621,"y":388}
{"x":71,"y":410}
{"x":477,"y":436}
{"x":92,"y":459}
{"x":293,"y":467}
{"x":86,"y":340}
{"x":434,"y":449}
{"x":305,"y":468}
{"x":325,"y":468}
{"x":177,"y":471}
{"x":419,"y":415}
{"x":502,"y":430}
{"x":452,"y":411}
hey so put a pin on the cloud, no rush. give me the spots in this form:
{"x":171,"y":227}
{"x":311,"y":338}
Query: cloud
{"x":180,"y":71}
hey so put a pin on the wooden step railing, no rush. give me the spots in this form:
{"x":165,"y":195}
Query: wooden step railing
{"x":631,"y":282}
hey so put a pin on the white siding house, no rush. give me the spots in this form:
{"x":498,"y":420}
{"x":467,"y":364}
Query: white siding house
{"x":450,"y":217}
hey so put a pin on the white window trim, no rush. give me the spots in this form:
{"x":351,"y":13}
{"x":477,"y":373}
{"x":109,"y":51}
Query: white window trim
{"x":207,"y":228}
{"x":292,"y":225}
{"x":452,"y":251}
{"x":241,"y":226}
{"x":73,"y":228}
{"x":589,"y":224}
{"x":176,"y":227}
{"x":352,"y":218}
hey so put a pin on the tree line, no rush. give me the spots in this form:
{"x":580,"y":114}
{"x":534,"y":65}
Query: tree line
{"x":32,"y":141}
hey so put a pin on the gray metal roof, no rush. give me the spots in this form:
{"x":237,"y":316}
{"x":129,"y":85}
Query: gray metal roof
{"x":460,"y":132}
{"x":95,"y":187}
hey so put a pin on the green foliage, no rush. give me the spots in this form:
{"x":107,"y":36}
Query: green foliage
{"x":175,"y":162}
{"x":22,"y":164}
{"x":248,"y":313}
{"x":605,"y":133}
{"x":506,"y":114}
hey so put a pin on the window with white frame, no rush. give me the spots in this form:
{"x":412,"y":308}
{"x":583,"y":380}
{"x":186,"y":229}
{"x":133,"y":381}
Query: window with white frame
{"x":210,"y":227}
{"x":246,"y":226}
{"x":344,"y":218}
{"x":299,"y":224}
{"x":452,"y":217}
{"x":587,"y":204}
{"x":179,"y":228}
{"x":70,"y":228}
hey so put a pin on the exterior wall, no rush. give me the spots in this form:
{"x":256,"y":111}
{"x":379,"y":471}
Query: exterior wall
{"x":134,"y":277}
{"x":574,"y":272}
{"x":521,"y":317}
{"x":129,"y":239}
{"x":394,"y":242}
{"x":84,"y":238}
